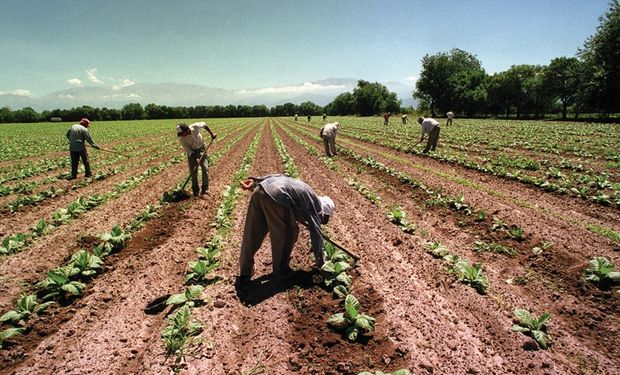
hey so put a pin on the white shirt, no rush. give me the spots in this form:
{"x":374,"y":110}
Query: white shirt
{"x":193,"y":141}
{"x":450,"y":115}
{"x":427,"y":125}
{"x":330,"y":130}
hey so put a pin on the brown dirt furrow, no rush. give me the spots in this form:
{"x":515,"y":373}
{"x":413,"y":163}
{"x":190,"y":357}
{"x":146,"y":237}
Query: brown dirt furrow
{"x":22,"y":220}
{"x":443,"y":323}
{"x":43,"y":181}
{"x":111,"y":333}
{"x":246,"y":325}
{"x":31,"y":264}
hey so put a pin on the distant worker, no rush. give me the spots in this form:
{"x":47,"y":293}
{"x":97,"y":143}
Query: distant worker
{"x":309,"y":117}
{"x":386,"y":118}
{"x":324,"y":116}
{"x":429,"y":126}
{"x":191,"y":140}
{"x":277,"y":204}
{"x":77,"y":135}
{"x":328,"y":133}
{"x":450,"y":117}
{"x":405,"y":119}
{"x":295,"y":116}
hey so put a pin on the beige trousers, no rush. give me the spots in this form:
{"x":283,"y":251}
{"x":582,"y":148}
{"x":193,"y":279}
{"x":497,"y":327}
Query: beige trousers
{"x":330,"y":145}
{"x":266,"y":215}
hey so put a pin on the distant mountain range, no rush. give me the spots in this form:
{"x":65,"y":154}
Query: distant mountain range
{"x":176,"y":94}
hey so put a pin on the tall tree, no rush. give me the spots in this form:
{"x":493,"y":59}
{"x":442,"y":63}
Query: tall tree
{"x":132,"y":111}
{"x":601,"y":52}
{"x":374,"y":98}
{"x":563,"y":79}
{"x":343,"y":104}
{"x":451,"y":81}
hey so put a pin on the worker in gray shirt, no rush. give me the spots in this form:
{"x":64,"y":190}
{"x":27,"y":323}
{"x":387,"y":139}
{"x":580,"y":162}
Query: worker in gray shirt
{"x":77,"y":135}
{"x":277,"y":204}
{"x":429,"y":126}
{"x":328,"y":133}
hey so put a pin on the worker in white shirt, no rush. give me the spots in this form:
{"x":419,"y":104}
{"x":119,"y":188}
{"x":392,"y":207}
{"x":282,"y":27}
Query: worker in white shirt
{"x":191,"y":140}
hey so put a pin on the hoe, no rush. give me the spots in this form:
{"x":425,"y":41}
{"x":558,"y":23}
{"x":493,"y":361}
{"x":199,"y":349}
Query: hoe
{"x":179,"y":193}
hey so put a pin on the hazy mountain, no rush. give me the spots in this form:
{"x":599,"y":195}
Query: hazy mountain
{"x":321,"y":92}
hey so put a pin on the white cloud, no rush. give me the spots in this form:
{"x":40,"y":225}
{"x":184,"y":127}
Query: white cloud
{"x":68,"y":96}
{"x":19,"y":92}
{"x":306,"y":87}
{"x":90,"y":73}
{"x":74,"y":81}
{"x":122,"y":83}
{"x":411,"y":79}
{"x":133,"y":96}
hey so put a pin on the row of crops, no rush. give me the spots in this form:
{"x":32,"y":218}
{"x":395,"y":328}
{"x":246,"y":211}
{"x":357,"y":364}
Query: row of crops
{"x":68,"y":282}
{"x":505,"y":238}
{"x":486,"y":240}
{"x":581,"y":160}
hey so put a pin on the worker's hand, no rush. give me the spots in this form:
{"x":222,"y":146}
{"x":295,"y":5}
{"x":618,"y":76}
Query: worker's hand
{"x":247,"y":184}
{"x":213,"y":136}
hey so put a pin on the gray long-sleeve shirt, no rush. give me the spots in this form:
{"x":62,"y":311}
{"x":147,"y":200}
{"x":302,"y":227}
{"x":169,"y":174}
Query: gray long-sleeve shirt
{"x":77,"y":135}
{"x":304,"y":202}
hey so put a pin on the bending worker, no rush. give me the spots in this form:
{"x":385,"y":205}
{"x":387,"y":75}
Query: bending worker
{"x":277,"y":204}
{"x":429,"y":126}
{"x":191,"y":140}
{"x":328,"y":133}
{"x":77,"y":135}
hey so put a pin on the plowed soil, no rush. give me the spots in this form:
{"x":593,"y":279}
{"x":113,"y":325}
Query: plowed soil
{"x":427,"y":321}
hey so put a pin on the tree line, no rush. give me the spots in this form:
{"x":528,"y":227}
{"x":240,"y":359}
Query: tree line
{"x":367,"y":99}
{"x":587,"y":83}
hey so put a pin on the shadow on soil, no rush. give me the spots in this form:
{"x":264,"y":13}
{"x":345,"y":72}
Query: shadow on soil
{"x":253,"y":292}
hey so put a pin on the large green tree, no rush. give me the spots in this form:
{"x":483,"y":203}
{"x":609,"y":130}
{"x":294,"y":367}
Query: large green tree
{"x":374,"y":98}
{"x":563,"y":78}
{"x":452,"y":81}
{"x":343,"y":104}
{"x":601,"y":52}
{"x":132,"y":111}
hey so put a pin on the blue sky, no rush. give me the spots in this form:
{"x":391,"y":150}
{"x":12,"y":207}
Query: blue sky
{"x":51,"y":45}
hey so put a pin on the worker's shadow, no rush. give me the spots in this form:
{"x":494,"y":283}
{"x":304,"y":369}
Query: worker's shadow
{"x":253,"y":292}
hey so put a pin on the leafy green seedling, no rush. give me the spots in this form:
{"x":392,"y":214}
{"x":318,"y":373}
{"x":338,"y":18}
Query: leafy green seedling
{"x":116,"y":238}
{"x":42,"y":228}
{"x":13,"y":244}
{"x":352,"y":321}
{"x":600,"y":271}
{"x":532,"y":326}
{"x":191,"y":297}
{"x":181,"y":333}
{"x":544,"y":245}
{"x":26,"y":306}
{"x":199,"y":269}
{"x":58,"y":284}
{"x":8,"y":333}
{"x":436,"y":249}
{"x":334,"y":275}
{"x":85,"y":264}
{"x":471,"y":275}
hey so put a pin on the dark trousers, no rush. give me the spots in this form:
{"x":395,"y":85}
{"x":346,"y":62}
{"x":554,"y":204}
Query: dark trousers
{"x":75,"y":160}
{"x":192,"y":162}
{"x":266,"y":215}
{"x":433,"y":138}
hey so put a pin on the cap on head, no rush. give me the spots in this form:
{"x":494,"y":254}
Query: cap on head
{"x":85,"y":122}
{"x":181,"y":128}
{"x":327,"y":205}
{"x":337,"y":124}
